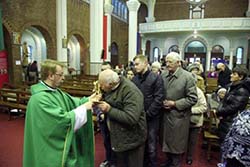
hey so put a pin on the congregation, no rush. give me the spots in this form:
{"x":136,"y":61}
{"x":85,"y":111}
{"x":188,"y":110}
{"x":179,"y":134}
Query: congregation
{"x":138,"y":109}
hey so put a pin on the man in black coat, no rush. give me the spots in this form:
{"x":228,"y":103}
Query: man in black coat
{"x":224,"y":75}
{"x":151,"y":85}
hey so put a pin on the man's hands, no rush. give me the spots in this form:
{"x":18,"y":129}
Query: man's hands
{"x":104,"y":106}
{"x":168,"y":104}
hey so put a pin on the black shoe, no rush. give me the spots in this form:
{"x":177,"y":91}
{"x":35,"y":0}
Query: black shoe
{"x":189,"y":162}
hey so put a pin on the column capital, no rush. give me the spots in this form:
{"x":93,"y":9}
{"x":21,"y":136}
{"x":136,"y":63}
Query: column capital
{"x":133,"y":5}
{"x":209,"y":49}
{"x":108,"y":8}
{"x":150,"y":19}
{"x":232,"y":49}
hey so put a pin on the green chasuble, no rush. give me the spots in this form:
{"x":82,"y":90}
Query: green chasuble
{"x":49,"y":137}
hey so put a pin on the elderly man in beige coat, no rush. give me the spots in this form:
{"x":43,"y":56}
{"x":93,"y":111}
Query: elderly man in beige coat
{"x":180,"y":96}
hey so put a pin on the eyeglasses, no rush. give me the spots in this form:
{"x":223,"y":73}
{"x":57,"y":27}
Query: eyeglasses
{"x":60,"y":75}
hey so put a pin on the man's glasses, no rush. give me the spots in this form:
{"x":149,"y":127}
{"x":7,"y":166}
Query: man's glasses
{"x":60,"y":75}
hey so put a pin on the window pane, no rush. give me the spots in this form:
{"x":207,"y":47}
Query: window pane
{"x":239,"y":55}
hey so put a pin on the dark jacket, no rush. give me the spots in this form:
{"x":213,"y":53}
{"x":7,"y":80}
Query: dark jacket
{"x":151,"y":86}
{"x":126,"y":118}
{"x":233,"y":103}
{"x":224,"y":77}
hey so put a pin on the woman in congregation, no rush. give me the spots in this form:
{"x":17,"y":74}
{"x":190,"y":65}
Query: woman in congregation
{"x":235,"y":100}
{"x":196,"y":122}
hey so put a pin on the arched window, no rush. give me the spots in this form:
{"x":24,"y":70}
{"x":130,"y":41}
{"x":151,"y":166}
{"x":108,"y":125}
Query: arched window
{"x":122,"y":10}
{"x":239,"y":55}
{"x":156,"y":54}
{"x":195,"y":47}
{"x":116,"y":4}
{"x":174,"y":48}
{"x":217,"y":49}
{"x":125,"y":13}
{"x":119,"y":13}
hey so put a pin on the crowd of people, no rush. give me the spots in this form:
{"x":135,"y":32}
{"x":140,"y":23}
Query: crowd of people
{"x":138,"y":109}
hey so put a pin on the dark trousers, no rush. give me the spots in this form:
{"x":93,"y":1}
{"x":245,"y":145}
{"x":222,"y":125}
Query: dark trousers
{"x":130,"y":158}
{"x":234,"y":163}
{"x":150,"y":155}
{"x":192,"y":140}
{"x":173,"y":160}
{"x":109,"y":153}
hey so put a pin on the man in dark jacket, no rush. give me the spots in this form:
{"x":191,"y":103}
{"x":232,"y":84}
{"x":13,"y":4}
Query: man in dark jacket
{"x":123,"y":105}
{"x":224,"y":75}
{"x":151,"y":85}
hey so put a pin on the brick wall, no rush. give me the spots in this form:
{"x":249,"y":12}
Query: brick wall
{"x":19,"y":15}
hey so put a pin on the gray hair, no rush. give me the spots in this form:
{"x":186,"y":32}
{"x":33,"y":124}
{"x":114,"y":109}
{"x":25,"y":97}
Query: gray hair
{"x":109,"y":76}
{"x":174,"y":56}
{"x":156,"y":64}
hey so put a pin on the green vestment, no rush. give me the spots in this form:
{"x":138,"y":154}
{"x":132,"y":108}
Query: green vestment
{"x":49,"y":137}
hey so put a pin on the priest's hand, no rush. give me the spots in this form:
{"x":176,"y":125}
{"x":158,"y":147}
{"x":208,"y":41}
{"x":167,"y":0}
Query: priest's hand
{"x":88,"y":105}
{"x":95,"y":97}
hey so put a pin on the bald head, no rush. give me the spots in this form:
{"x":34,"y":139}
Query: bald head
{"x":108,"y":79}
{"x":220,"y":67}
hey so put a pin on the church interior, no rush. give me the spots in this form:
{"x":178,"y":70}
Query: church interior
{"x":82,"y":34}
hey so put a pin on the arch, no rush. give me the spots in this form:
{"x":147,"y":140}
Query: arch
{"x":73,"y":54}
{"x":156,"y":54}
{"x":192,"y":38}
{"x":222,"y":41}
{"x":82,"y":51}
{"x":50,"y":42}
{"x":7,"y":44}
{"x":174,"y":48}
{"x":217,"y":49}
{"x":142,"y":13}
{"x":195,"y":46}
{"x":148,"y":48}
{"x":169,"y":42}
{"x":37,"y":47}
{"x":114,"y":54}
{"x":200,"y":56}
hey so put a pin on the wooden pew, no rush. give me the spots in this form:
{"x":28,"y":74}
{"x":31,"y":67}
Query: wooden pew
{"x":211,"y":85}
{"x":14,"y":99}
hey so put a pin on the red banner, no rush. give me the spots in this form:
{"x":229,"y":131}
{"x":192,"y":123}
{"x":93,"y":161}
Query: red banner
{"x":105,"y":37}
{"x":4,"y":77}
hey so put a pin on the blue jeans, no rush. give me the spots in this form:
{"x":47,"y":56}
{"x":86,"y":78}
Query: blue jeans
{"x":150,"y":156}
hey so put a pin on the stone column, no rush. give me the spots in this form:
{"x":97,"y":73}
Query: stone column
{"x":208,"y":59}
{"x":161,"y":53}
{"x":96,"y":35}
{"x":143,"y":44}
{"x":151,"y":10}
{"x":248,"y":11}
{"x":181,"y":53}
{"x":108,"y":8}
{"x":133,"y":6}
{"x":231,"y":58}
{"x":61,"y":30}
